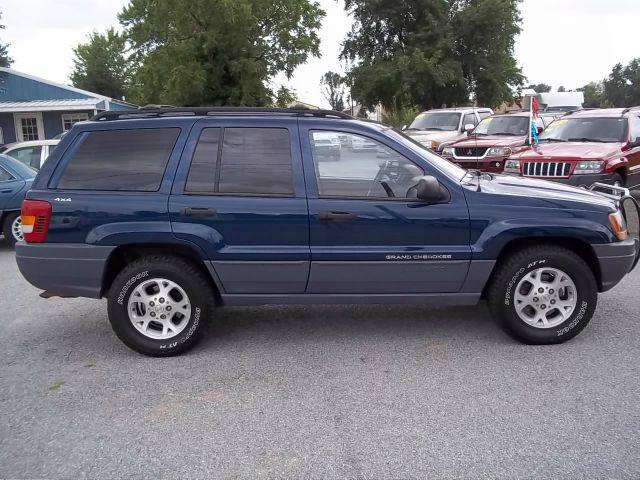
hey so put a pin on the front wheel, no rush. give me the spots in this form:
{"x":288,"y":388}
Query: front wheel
{"x":12,"y":228}
{"x":157,"y":305}
{"x":543,"y":295}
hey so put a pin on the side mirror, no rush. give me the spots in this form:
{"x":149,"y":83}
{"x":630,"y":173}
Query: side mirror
{"x":469,"y":128}
{"x":404,"y":127}
{"x":430,"y":190}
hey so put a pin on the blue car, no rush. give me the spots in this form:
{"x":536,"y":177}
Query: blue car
{"x":15,"y":180}
{"x":170,"y":212}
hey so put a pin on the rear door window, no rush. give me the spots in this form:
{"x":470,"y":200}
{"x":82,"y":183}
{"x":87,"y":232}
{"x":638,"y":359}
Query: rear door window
{"x":126,"y":160}
{"x":30,"y":156}
{"x":251,"y":161}
{"x":5,"y":176}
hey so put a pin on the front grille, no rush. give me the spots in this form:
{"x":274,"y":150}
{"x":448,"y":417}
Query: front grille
{"x":469,"y":151}
{"x":546,"y":169}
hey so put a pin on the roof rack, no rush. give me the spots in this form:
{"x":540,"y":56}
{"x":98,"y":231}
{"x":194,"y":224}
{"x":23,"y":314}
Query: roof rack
{"x":577,"y":110}
{"x":629,"y":109}
{"x":151,"y":111}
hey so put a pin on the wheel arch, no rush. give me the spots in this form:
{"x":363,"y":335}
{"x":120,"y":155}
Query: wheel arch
{"x":125,"y":254}
{"x":580,"y":247}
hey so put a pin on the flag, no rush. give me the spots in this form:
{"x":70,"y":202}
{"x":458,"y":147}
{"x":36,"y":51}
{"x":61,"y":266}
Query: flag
{"x":533,"y":115}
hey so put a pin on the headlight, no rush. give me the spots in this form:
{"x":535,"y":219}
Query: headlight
{"x":512,"y":166}
{"x":499,"y":152}
{"x":447,"y":152}
{"x":618,"y":225}
{"x":593,"y":166}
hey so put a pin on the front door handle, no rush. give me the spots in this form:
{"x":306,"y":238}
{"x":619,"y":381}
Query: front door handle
{"x":6,"y":191}
{"x":339,"y":216}
{"x":199,"y":212}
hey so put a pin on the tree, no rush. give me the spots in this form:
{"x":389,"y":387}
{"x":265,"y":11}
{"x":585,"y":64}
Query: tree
{"x":5,"y":59}
{"x":334,"y":85}
{"x":284,"y":97}
{"x":100,"y":65}
{"x":540,"y":87}
{"x":433,"y":52}
{"x":217,"y":53}
{"x":561,"y":89}
{"x":622,"y":87}
{"x":592,"y":95}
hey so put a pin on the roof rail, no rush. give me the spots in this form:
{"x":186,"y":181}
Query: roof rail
{"x":629,"y":109}
{"x":577,"y":110}
{"x":151,"y":111}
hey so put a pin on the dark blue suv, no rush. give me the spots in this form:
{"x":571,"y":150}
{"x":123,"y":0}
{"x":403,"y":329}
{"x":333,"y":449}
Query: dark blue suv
{"x":171,"y":212}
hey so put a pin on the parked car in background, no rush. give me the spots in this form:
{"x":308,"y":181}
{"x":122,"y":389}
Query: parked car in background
{"x":585,"y":147}
{"x":494,"y":139}
{"x":436,"y":127}
{"x":15,"y":180}
{"x":178,"y":210}
{"x":326,"y":146}
{"x":33,"y":153}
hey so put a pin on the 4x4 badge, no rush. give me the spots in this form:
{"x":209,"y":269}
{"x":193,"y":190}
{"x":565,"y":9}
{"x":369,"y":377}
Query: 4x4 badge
{"x":58,"y":199}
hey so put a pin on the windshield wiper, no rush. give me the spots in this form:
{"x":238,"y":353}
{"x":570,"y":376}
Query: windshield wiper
{"x":551,"y":140}
{"x":585,"y":139}
{"x":507,"y":134}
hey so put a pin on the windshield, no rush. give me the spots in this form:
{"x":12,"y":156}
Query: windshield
{"x":446,"y":167}
{"x":446,"y":121}
{"x":504,"y":125}
{"x":596,"y":129}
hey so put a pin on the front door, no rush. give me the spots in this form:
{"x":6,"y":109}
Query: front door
{"x":29,"y":126}
{"x":369,"y":233}
{"x":242,"y":200}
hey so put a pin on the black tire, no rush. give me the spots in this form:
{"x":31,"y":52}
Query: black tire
{"x":7,"y":230}
{"x":197,"y":286}
{"x":502,"y":290}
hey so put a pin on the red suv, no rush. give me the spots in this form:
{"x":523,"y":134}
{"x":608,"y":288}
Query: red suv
{"x":494,"y":139}
{"x":585,"y":147}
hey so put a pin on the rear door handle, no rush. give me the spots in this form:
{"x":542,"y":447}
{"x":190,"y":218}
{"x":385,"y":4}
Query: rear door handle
{"x":339,"y":216}
{"x":199,"y":212}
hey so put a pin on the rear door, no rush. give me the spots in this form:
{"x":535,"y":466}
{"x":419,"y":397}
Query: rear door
{"x":239,"y":194}
{"x":10,"y":184}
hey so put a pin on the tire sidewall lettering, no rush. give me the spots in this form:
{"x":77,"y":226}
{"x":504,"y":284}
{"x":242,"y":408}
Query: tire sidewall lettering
{"x":129,"y":284}
{"x":581,"y":313}
{"x":514,"y":280}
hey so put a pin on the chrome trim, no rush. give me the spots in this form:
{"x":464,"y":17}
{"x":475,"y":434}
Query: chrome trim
{"x":453,"y":151}
{"x":546,"y":169}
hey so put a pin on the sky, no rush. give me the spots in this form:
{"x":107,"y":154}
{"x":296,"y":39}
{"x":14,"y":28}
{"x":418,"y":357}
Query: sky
{"x":563,"y":42}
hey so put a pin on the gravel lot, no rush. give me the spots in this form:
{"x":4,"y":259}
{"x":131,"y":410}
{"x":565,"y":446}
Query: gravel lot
{"x":317,"y":392}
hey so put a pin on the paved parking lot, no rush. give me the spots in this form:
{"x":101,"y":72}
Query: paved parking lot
{"x":319,"y":392}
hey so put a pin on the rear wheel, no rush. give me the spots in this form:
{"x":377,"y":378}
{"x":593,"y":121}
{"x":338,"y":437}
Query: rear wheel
{"x":543,"y":295}
{"x":158,"y":305}
{"x":12,"y":228}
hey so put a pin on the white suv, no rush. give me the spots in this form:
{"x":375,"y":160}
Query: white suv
{"x":436,"y":128}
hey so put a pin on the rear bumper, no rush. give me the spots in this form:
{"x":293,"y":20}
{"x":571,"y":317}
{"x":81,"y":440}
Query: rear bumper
{"x":616,"y":260}
{"x":64,"y":270}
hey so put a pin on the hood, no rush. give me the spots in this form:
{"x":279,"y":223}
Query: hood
{"x":491,"y":141}
{"x":570,"y":150}
{"x":428,"y":135}
{"x":545,"y":193}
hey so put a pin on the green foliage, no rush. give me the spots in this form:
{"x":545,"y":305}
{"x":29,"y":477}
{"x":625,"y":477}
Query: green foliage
{"x":592,"y":95}
{"x":433,"y":52}
{"x":562,"y":89}
{"x":334,"y":85}
{"x":5,"y":59}
{"x":216,"y":52}
{"x":622,"y":87}
{"x":540,"y":87}
{"x":400,"y":117}
{"x":284,"y":97}
{"x":100,"y":65}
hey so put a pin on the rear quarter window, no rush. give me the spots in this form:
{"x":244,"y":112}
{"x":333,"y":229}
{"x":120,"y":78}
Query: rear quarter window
{"x":120,"y":160}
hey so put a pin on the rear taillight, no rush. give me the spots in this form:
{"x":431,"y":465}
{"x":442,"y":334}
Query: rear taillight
{"x":36,"y":215}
